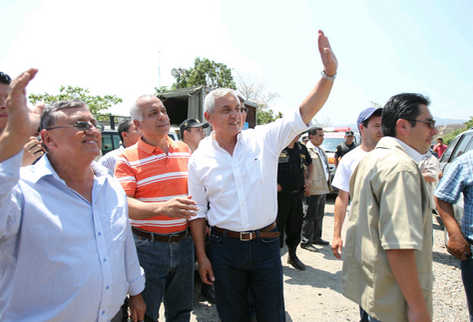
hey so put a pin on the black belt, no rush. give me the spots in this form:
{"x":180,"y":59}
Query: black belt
{"x":172,"y":238}
{"x":249,"y":235}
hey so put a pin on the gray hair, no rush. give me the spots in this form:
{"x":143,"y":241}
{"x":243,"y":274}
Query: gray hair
{"x":48,"y":117}
{"x":209,"y":102}
{"x":135,"y":111}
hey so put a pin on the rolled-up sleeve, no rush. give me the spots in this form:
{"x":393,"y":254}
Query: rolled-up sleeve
{"x":10,"y":198}
{"x":197,"y":191}
{"x":282,"y":131}
{"x":450,"y":186}
{"x":134,"y":272}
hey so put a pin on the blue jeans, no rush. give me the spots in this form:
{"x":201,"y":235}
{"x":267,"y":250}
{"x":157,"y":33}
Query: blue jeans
{"x":467,"y":277}
{"x":169,"y":272}
{"x":240,"y":266}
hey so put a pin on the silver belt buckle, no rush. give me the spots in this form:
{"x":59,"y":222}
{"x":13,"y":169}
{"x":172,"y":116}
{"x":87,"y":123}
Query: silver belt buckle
{"x":246,"y":235}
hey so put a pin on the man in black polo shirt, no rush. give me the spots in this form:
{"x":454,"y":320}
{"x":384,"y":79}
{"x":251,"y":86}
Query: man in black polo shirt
{"x":345,"y":147}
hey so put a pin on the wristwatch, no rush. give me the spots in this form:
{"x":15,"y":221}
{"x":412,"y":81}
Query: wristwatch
{"x":324,"y":75}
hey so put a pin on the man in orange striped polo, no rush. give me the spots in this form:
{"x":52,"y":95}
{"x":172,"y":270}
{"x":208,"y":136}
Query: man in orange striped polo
{"x":153,"y":173}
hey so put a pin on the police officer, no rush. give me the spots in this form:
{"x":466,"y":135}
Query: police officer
{"x":293,"y":168}
{"x":345,"y":147}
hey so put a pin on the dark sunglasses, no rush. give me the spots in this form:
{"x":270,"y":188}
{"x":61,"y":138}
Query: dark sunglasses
{"x":429,"y":123}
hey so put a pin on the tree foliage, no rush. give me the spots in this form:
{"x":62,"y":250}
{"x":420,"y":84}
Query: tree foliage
{"x":205,"y":72}
{"x":96,"y":103}
{"x":264,"y":116}
{"x":256,"y":92}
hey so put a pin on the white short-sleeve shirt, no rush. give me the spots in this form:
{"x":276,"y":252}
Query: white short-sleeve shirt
{"x":346,"y":167}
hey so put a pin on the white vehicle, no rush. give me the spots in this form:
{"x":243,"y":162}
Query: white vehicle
{"x":332,"y":138}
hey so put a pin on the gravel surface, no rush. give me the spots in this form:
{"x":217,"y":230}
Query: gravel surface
{"x":315,"y":294}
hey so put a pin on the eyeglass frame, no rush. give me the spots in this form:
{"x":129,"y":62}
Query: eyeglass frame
{"x":429,"y":123}
{"x":79,"y":125}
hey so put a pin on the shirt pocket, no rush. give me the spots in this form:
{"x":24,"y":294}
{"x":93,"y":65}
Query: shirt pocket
{"x":252,"y":170}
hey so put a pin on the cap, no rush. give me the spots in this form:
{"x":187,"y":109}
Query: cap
{"x":366,"y":114}
{"x":192,"y":123}
{"x":349,"y":133}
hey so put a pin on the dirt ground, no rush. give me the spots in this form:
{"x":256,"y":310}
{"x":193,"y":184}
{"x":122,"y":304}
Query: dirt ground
{"x":316,"y":293}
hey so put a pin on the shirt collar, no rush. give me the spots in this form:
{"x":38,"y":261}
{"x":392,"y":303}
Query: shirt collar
{"x":389,"y":141}
{"x":311,"y":145}
{"x":148,"y":148}
{"x":43,"y":168}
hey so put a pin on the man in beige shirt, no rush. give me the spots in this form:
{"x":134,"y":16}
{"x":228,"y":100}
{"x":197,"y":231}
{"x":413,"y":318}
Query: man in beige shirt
{"x":387,"y":266}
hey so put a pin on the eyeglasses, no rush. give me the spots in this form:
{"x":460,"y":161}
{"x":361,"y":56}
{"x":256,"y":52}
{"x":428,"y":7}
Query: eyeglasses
{"x":228,"y":111}
{"x":243,"y":110}
{"x":429,"y":123}
{"x":80,"y":125}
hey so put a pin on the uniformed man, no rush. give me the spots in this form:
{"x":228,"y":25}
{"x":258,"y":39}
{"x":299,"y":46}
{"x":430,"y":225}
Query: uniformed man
{"x":345,"y":147}
{"x":293,"y":162}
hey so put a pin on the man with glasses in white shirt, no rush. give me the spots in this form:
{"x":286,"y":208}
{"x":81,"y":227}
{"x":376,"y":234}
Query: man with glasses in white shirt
{"x":232,"y":177}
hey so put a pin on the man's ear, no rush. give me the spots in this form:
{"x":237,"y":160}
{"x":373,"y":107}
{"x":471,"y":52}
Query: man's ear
{"x":47,"y":140}
{"x":137,"y":124}
{"x":207,"y":116}
{"x":402,"y":128}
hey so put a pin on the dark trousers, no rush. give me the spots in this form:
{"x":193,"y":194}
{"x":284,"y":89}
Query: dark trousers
{"x":243,"y":266}
{"x":290,"y":219}
{"x":467,"y":277}
{"x":169,"y":272}
{"x":312,"y":224}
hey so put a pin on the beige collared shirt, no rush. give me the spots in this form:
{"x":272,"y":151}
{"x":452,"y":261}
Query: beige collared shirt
{"x":390,"y":210}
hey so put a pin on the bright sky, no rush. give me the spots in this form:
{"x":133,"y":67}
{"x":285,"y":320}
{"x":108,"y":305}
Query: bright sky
{"x":121,"y":47}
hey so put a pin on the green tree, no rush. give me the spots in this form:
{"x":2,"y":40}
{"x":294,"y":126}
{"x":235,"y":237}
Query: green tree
{"x":205,"y":72}
{"x":264,"y":116}
{"x":96,"y":103}
{"x":257,"y":93}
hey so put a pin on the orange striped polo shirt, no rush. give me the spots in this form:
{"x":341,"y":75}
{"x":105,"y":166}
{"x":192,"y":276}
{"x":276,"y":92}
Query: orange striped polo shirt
{"x":150,"y":175}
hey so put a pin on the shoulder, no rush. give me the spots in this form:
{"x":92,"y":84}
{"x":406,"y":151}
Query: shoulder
{"x":181,"y":146}
{"x":130,"y":152}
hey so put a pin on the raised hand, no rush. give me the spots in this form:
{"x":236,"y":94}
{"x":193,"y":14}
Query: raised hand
{"x":328,"y":57}
{"x":21,"y":120}
{"x":22,"y":123}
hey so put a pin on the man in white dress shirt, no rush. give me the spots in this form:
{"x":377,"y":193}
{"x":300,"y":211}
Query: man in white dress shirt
{"x":232,"y":177}
{"x":66,"y":248}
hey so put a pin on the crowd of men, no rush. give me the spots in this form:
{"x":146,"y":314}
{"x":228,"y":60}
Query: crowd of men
{"x":86,"y":240}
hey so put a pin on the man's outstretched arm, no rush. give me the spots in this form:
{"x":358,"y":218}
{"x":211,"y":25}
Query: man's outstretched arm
{"x":176,"y":207}
{"x":318,"y":96}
